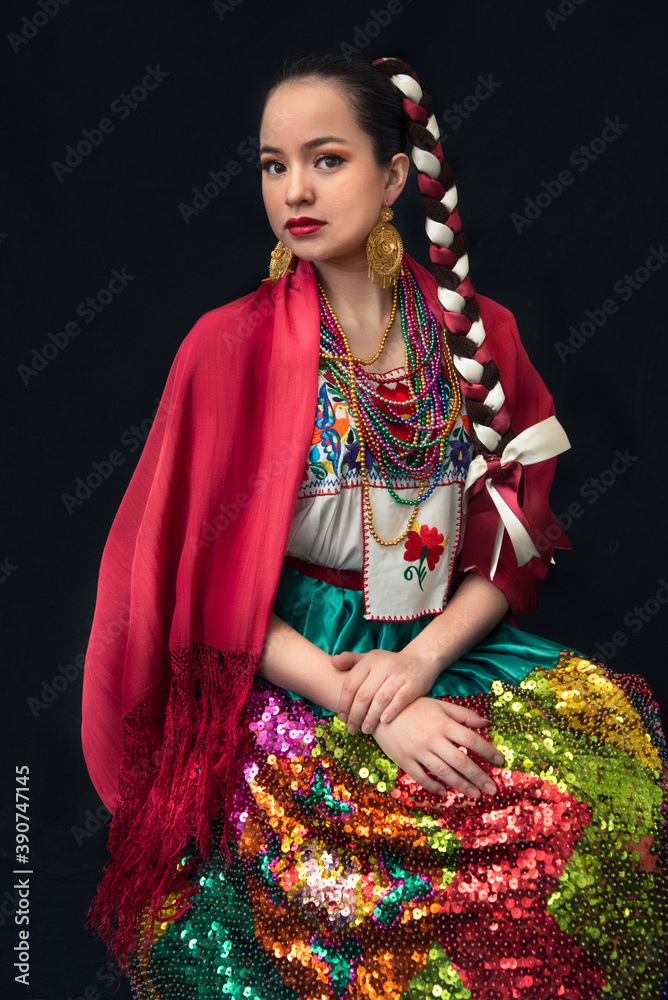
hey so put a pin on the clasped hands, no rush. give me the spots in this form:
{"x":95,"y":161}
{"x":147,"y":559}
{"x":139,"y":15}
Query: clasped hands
{"x":383,"y":693}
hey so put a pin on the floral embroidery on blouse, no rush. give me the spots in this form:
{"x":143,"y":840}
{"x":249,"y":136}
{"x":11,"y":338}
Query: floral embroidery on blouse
{"x":334,"y":445}
{"x":333,"y":456}
{"x":459,"y":453}
{"x":422,"y":545}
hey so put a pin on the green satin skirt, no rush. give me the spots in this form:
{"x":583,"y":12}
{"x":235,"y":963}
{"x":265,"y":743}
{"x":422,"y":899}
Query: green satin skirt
{"x":333,"y":619}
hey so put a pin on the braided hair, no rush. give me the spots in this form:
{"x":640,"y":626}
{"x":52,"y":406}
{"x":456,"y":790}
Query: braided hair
{"x":391,"y":107}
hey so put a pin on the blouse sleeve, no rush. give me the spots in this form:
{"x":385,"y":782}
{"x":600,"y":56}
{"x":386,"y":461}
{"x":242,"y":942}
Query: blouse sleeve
{"x":528,"y":403}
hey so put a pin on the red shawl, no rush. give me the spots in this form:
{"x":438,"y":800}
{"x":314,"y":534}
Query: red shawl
{"x":190,"y":570}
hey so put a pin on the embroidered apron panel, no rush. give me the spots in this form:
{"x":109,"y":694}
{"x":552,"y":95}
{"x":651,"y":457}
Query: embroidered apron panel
{"x":403,"y":581}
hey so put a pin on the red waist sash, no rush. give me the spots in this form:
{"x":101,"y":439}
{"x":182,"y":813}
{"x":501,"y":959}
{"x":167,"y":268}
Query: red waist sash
{"x":349,"y":579}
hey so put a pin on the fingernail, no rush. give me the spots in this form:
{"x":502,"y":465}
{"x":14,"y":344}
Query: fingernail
{"x":351,"y":729}
{"x":366,"y":728}
{"x":472,"y":792}
{"x":342,"y":716}
{"x":490,"y":788}
{"x":499,"y":760}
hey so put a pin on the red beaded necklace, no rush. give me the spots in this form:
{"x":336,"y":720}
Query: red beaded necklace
{"x":429,"y":413}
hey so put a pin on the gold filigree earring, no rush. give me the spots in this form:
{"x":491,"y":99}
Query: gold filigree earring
{"x":384,"y":251}
{"x":281,"y":258}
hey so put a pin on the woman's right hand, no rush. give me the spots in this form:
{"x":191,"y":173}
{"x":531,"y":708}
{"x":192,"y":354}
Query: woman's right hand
{"x":427,"y":735}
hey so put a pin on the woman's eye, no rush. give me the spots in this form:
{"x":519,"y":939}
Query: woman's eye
{"x":273,"y":167}
{"x":329,"y":160}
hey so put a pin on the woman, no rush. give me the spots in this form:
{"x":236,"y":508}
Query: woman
{"x":482,"y":816}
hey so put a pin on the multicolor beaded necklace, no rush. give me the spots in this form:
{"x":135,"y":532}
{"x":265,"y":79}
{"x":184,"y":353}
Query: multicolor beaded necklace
{"x":429,"y":412}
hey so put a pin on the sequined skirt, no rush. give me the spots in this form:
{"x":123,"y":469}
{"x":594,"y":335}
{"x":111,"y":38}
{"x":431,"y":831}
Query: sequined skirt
{"x":347,"y":880}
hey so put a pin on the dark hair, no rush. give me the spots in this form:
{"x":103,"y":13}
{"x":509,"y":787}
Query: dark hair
{"x":391,"y":107}
{"x":375,"y":101}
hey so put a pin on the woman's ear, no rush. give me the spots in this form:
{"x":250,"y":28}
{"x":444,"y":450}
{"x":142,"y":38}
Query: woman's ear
{"x":396,"y":178}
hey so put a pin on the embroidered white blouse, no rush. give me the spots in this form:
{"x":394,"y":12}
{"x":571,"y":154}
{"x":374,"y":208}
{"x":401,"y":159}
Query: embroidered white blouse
{"x":330,"y":525}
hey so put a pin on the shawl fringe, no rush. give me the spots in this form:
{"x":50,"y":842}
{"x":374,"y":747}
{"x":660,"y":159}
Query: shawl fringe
{"x":175,"y":779}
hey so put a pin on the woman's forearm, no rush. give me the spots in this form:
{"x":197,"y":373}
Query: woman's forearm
{"x":293,"y":663}
{"x":380,"y":684}
{"x":475,"y":608}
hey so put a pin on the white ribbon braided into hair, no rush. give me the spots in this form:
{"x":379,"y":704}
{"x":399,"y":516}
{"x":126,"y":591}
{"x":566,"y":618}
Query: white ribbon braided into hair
{"x":441,"y":235}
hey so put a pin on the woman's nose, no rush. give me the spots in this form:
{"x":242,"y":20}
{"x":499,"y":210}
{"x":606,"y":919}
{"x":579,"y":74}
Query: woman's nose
{"x":299,"y":188}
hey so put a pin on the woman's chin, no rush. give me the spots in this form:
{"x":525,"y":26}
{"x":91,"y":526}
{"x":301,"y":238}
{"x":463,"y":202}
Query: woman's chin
{"x":350,"y":260}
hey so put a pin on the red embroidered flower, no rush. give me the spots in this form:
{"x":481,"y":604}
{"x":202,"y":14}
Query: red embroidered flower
{"x":417,"y":540}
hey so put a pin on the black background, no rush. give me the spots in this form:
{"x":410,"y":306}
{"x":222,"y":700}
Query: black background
{"x":553,"y":82}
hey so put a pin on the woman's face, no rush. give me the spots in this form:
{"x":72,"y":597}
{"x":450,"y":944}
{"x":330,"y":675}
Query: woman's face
{"x":322,"y":188}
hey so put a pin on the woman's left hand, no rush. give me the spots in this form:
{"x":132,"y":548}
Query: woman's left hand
{"x":379,"y":685}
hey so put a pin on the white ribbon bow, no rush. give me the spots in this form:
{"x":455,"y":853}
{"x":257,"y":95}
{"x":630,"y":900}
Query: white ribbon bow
{"x":541,"y":441}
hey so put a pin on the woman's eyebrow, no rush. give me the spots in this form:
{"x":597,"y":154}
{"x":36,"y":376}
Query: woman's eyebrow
{"x":311,"y":144}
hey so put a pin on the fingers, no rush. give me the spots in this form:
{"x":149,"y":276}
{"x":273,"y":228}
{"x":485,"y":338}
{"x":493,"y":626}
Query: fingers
{"x":344,"y":661}
{"x":449,"y":762}
{"x":350,"y":692}
{"x":466,"y":716}
{"x":347,"y":662}
{"x":380,"y":702}
{"x":369,"y":701}
{"x":459,"y":772}
{"x":365,"y":692}
{"x":454,"y":780}
{"x":418,"y":773}
{"x":481,"y":746}
{"x":463,"y":736}
{"x":403,"y":697}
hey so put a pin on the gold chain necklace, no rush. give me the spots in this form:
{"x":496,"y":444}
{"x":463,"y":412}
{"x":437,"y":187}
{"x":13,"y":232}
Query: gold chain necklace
{"x":366,"y":491}
{"x":361,"y":361}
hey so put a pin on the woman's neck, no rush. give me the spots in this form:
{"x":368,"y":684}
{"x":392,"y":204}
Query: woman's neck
{"x":363,"y":310}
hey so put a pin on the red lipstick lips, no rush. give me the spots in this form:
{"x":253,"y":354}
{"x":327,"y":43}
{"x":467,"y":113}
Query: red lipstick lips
{"x":303,"y":226}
